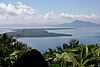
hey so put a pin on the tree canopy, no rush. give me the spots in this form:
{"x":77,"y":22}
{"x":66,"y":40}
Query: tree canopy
{"x":74,"y":54}
{"x":10,"y":50}
{"x":71,"y":54}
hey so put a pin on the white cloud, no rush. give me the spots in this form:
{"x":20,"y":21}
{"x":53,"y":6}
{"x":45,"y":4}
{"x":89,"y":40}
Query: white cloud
{"x":20,"y":10}
{"x":92,"y":16}
{"x":23,"y":9}
{"x":47,"y":16}
{"x":64,"y":17}
{"x":50,"y":18}
{"x":10,"y":9}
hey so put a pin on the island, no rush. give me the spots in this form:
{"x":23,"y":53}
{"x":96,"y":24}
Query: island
{"x":34,"y":33}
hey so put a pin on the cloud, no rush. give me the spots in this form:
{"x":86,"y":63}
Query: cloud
{"x":92,"y":16}
{"x":48,"y":16}
{"x":79,"y":16}
{"x":20,"y":10}
{"x":23,"y":13}
{"x":64,"y":17}
{"x":23,"y":9}
{"x":52,"y":16}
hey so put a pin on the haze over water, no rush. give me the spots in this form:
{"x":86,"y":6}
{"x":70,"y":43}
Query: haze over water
{"x":86,"y":35}
{"x":19,"y":13}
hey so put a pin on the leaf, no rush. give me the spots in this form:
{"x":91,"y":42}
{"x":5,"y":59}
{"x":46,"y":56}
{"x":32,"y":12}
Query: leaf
{"x":86,"y":61}
{"x":97,"y":52}
{"x":15,"y":52}
{"x":86,"y":50}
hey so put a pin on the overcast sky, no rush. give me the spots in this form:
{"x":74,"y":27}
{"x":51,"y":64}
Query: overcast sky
{"x":49,"y":11}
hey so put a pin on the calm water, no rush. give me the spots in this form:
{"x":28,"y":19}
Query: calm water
{"x":86,"y":35}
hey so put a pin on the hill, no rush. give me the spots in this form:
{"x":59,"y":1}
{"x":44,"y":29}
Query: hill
{"x":78,"y":23}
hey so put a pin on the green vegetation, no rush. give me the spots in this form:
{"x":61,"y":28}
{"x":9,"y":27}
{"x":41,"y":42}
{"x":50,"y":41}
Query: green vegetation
{"x":10,"y":50}
{"x":74,"y":54}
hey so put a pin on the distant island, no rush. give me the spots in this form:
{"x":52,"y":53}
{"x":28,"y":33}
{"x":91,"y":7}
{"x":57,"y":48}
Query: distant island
{"x":35,"y":33}
{"x":74,"y":24}
{"x":78,"y":23}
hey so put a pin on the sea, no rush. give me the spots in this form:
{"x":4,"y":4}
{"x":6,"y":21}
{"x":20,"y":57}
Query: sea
{"x":85,"y":35}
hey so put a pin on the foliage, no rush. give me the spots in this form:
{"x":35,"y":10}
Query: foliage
{"x":10,"y":50}
{"x":74,"y":54}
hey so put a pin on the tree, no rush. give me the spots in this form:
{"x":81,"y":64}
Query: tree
{"x":73,"y":43}
{"x":75,"y":55}
{"x":10,"y":49}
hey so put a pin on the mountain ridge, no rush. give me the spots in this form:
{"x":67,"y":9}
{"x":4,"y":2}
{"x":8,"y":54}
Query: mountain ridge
{"x":78,"y":23}
{"x":75,"y":23}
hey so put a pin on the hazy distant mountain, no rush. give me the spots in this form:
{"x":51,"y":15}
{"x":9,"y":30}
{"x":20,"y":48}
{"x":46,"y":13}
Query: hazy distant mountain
{"x":23,"y":25}
{"x":78,"y":23}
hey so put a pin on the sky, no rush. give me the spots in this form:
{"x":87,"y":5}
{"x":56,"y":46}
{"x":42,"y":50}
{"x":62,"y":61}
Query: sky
{"x":49,"y":11}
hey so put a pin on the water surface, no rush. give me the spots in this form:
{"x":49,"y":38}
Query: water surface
{"x":86,"y":35}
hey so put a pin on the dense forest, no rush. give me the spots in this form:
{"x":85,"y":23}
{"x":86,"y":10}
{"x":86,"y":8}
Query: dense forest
{"x":71,"y":54}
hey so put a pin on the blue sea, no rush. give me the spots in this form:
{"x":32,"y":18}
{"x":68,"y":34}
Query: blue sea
{"x":86,"y":35}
